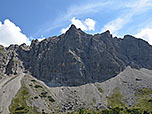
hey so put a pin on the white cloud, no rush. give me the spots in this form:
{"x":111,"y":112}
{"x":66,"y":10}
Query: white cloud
{"x":41,"y":38}
{"x":78,"y":23}
{"x":95,"y":7}
{"x":64,"y":30}
{"x":145,"y":34}
{"x":38,"y":38}
{"x":75,"y":11}
{"x":11,"y":34}
{"x":135,"y":7}
{"x":114,"y":25}
{"x":90,"y":23}
{"x":140,"y":4}
{"x":87,"y":25}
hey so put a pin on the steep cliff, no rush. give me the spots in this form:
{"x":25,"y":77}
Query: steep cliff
{"x":76,"y":58}
{"x":74,"y":71}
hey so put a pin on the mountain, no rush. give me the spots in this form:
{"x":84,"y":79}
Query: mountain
{"x":74,"y":71}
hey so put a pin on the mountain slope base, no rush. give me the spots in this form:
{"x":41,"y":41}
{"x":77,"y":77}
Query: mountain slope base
{"x":130,"y":90}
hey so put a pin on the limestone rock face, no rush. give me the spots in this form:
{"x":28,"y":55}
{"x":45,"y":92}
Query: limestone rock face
{"x":9,"y":60}
{"x":76,"y":58}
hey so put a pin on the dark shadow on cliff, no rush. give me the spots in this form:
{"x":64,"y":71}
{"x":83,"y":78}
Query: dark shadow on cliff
{"x":76,"y":58}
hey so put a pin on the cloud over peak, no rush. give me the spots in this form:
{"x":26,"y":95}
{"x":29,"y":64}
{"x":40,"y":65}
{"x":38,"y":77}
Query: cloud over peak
{"x":11,"y":34}
{"x":145,"y":34}
{"x":87,"y":25}
{"x":114,"y":25}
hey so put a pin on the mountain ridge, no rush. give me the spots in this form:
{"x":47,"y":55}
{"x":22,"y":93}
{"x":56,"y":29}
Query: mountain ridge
{"x":76,"y":71}
{"x":90,"y":57}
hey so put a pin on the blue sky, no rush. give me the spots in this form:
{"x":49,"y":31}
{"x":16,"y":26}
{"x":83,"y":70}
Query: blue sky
{"x":21,"y":21}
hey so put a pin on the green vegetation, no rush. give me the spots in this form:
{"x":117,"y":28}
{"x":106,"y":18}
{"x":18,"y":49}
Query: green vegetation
{"x":94,"y":100}
{"x":51,"y":99}
{"x":19,"y":105}
{"x":143,"y":92}
{"x":33,"y":80}
{"x":1,"y":48}
{"x":36,"y":97}
{"x":115,"y":100}
{"x":38,"y":86}
{"x":43,"y":92}
{"x":17,"y":62}
{"x":100,"y":89}
{"x":116,"y":110}
{"x":43,"y":95}
{"x":144,"y":97}
{"x":30,"y":85}
{"x":86,"y":111}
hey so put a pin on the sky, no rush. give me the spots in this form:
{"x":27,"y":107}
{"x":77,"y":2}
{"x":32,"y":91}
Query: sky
{"x":21,"y":21}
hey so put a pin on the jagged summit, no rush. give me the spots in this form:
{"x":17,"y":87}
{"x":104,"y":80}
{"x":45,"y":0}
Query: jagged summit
{"x":107,"y":32}
{"x":79,"y":69}
{"x":72,"y":30}
{"x":77,"y":58}
{"x":72,"y":27}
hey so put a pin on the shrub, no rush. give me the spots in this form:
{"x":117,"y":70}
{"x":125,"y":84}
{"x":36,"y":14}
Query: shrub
{"x":51,"y":99}
{"x":38,"y":86}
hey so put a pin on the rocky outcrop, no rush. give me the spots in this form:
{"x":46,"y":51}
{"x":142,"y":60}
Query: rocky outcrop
{"x":82,"y":71}
{"x":76,"y":58}
{"x":9,"y":60}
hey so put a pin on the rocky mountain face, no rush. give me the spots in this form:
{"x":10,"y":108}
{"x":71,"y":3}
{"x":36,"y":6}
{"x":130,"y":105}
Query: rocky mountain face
{"x":76,"y":58}
{"x":74,"y":71}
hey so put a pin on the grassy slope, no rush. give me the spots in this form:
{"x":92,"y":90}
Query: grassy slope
{"x":117,"y":106}
{"x":115,"y":100}
{"x":144,"y":97}
{"x":115,"y":103}
{"x":19,"y":105}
